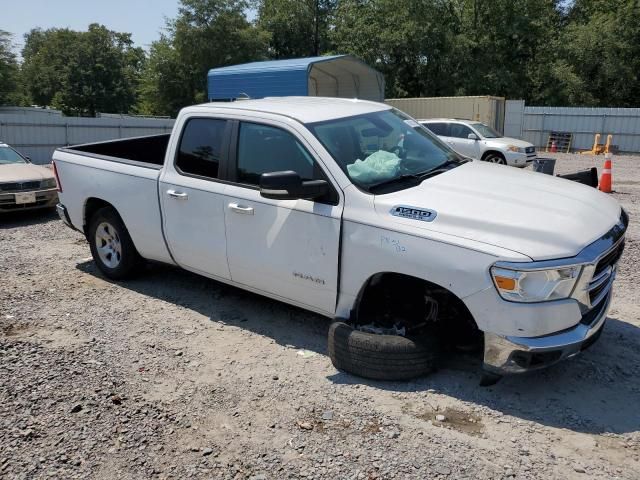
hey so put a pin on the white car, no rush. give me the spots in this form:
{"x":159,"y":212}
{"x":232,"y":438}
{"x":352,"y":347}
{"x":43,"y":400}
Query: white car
{"x":312,"y":201}
{"x":23,"y":185}
{"x":481,"y":142}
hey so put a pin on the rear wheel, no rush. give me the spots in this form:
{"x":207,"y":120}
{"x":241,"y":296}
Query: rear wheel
{"x":111,"y":246}
{"x":495,"y":158}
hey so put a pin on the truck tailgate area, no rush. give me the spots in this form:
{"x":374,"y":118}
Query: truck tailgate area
{"x":130,"y":187}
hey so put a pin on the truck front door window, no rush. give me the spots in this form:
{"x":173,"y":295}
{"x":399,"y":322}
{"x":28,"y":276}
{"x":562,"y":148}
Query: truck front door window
{"x":200,"y":147}
{"x":264,"y":149}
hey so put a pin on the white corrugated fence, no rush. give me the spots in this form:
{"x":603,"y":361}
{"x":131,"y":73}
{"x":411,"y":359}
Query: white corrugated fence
{"x":582,"y":122}
{"x":37,"y":133}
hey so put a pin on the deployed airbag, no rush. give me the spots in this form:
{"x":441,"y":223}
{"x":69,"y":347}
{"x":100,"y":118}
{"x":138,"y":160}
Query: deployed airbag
{"x":377,"y":167}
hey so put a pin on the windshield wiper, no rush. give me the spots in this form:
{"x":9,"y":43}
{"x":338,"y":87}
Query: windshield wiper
{"x":407,"y":176}
{"x":440,"y":168}
{"x":459,"y":160}
{"x":419,"y":177}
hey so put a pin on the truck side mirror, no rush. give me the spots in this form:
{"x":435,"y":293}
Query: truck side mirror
{"x":472,"y":136}
{"x":288,"y":185}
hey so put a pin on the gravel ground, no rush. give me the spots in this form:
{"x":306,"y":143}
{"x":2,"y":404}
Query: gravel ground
{"x":175,"y":376}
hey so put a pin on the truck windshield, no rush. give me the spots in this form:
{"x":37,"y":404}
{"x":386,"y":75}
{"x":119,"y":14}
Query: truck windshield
{"x":9,"y":155}
{"x":383,"y":148}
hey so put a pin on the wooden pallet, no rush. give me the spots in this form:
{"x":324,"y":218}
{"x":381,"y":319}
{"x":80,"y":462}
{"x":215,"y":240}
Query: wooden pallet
{"x":563,"y":141}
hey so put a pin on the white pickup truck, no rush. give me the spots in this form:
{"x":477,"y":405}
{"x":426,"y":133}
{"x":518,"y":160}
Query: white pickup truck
{"x":345,"y":208}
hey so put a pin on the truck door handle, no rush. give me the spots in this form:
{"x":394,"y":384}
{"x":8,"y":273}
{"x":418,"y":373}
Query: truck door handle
{"x":241,"y":209}
{"x":178,"y":195}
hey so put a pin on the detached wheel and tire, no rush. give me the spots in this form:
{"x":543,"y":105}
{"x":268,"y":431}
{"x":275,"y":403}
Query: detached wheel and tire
{"x":380,"y":357}
{"x":495,"y":158}
{"x":111,"y":246}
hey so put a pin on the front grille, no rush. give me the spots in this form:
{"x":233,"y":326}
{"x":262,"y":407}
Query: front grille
{"x":590,"y":317}
{"x":530,"y":149}
{"x":610,"y":259}
{"x":603,"y":273}
{"x":19,"y":186}
{"x":596,"y":292}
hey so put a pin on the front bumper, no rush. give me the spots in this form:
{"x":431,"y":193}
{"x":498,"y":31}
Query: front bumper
{"x":505,"y":355}
{"x":518,"y":159}
{"x":44,"y":199}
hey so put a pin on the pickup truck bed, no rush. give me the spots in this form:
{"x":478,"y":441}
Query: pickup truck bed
{"x":126,"y":172}
{"x":149,"y":150}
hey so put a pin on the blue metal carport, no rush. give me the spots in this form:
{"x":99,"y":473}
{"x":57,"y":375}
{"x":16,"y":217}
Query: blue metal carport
{"x":332,"y":76}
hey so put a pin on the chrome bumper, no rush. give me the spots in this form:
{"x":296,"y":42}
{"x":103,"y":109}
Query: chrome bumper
{"x":44,"y":199}
{"x":508,"y":355}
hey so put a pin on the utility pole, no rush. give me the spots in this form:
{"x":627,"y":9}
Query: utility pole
{"x":316,"y":35}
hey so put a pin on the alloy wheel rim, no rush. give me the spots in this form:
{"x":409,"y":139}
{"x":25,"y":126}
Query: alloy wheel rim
{"x":108,"y":245}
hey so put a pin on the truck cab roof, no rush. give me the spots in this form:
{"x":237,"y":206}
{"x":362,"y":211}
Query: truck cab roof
{"x":303,"y":109}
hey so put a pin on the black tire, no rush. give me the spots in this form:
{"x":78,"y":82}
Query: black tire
{"x":495,"y":158}
{"x":380,"y":357}
{"x":129,"y":260}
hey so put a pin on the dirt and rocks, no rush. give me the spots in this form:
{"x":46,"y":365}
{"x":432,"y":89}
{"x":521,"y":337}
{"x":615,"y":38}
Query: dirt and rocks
{"x":175,"y":376}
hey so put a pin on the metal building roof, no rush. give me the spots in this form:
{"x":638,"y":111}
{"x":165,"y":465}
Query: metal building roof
{"x":333,"y":75}
{"x":273,"y":65}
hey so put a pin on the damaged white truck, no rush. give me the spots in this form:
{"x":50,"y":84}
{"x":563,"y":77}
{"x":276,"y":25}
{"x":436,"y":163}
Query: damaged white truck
{"x":350,"y":209}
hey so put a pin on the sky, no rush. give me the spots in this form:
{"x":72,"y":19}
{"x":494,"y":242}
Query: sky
{"x":144,"y":19}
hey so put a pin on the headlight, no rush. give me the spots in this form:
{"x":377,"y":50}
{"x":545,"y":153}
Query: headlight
{"x":513,"y":148}
{"x":49,"y":183}
{"x":535,"y":285}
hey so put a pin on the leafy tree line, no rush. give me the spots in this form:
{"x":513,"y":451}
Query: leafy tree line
{"x":548,"y":52}
{"x":10,"y":78}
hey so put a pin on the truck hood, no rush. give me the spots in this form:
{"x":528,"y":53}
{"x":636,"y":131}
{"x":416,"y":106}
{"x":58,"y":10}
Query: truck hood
{"x":22,"y":172}
{"x":537,"y":215}
{"x":505,"y":141}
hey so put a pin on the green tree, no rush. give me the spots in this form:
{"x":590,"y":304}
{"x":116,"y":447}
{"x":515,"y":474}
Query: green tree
{"x":451,"y":47}
{"x":599,"y":56}
{"x":82,"y":73}
{"x":505,"y":42}
{"x":46,"y":59}
{"x":10,"y":81}
{"x":214,"y":33}
{"x":206,"y":34}
{"x":103,"y":75}
{"x":407,"y":40}
{"x":297,"y":28}
{"x":162,"y":86}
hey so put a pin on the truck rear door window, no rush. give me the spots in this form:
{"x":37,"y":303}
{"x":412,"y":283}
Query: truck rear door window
{"x":201,"y":147}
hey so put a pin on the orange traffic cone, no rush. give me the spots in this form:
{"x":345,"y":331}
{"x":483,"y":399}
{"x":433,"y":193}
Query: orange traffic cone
{"x":554,"y":147}
{"x":606,"y":180}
